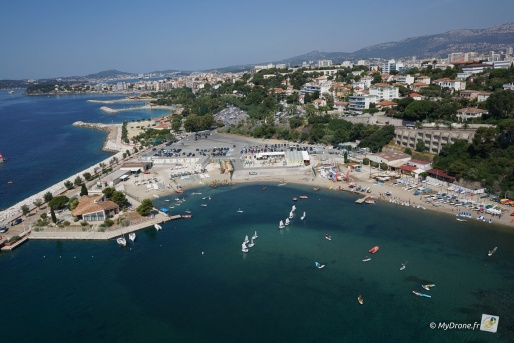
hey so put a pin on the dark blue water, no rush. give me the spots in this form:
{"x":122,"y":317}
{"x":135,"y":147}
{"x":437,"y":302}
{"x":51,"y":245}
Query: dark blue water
{"x":42,"y":146}
{"x":163,"y":289}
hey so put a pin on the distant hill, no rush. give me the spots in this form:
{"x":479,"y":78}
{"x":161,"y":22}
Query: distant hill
{"x":496,"y":38}
{"x":109,"y":74}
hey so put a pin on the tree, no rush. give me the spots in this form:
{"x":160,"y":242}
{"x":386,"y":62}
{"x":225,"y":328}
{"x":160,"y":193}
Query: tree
{"x":25,"y":210}
{"x":119,"y":198}
{"x":83,"y":190}
{"x":58,"y":202}
{"x":501,"y":104}
{"x":108,"y":192}
{"x":345,"y":157}
{"x":73,"y":204}
{"x":68,"y":184}
{"x":408,"y":151}
{"x":145,"y":208}
{"x":48,"y":196}
{"x":78,"y":181}
{"x":87,"y":176}
{"x":52,"y":214}
{"x":38,"y":202}
{"x":420,"y":146}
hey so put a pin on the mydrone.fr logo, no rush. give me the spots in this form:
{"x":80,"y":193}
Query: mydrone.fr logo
{"x":489,"y":323}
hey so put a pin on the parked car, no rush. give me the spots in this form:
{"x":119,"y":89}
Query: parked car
{"x":3,"y":229}
{"x":252,"y":173}
{"x":16,"y":221}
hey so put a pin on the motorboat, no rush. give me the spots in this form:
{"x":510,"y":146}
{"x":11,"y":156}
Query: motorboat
{"x":121,"y":241}
{"x":294,"y":199}
{"x":282,"y":184}
{"x":255,"y":235}
{"x":374,"y":249}
{"x":367,"y":259}
{"x":316,"y":188}
{"x":303,"y":197}
{"x":244,"y":248}
{"x":157,"y":227}
{"x":187,"y":211}
{"x":203,"y":205}
{"x":370,"y":201}
{"x":281,"y":225}
{"x":318,"y":265}
{"x":421,"y":294}
{"x":491,"y":252}
{"x":327,"y":237}
{"x":187,"y":216}
{"x":461,"y":220}
{"x":132,"y":236}
{"x":239,"y":211}
{"x":427,"y":287}
{"x":359,"y":299}
{"x":403,"y":265}
{"x":303,"y":216}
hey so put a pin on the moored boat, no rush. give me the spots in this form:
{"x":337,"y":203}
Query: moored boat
{"x":132,"y":236}
{"x":370,"y":201}
{"x":303,"y":197}
{"x":186,"y":216}
{"x":316,"y":188}
{"x":366,"y":259}
{"x":374,"y":249}
{"x":121,"y":241}
{"x":157,"y":227}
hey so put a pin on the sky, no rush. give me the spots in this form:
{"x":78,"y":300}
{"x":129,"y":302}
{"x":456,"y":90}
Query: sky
{"x":59,"y":38}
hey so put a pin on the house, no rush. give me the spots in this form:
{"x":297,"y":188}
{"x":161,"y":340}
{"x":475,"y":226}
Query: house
{"x":340,"y":105}
{"x":95,"y":208}
{"x":391,"y":158}
{"x":473,"y":94}
{"x":416,"y":86}
{"x":422,"y":79}
{"x":425,"y":165}
{"x":358,"y":103}
{"x":508,"y":87}
{"x":416,"y":96}
{"x":319,"y":103}
{"x":164,"y":126}
{"x":454,"y":85}
{"x":386,"y":104}
{"x":470,"y":113}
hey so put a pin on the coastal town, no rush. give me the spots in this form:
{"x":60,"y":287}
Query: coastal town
{"x":189,"y":154}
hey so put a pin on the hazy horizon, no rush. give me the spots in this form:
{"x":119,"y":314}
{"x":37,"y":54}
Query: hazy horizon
{"x":62,"y":39}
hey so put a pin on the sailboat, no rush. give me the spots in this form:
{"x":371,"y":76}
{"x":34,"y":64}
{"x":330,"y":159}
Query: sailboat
{"x":491,"y":252}
{"x":291,"y":215}
{"x":251,"y":244}
{"x":319,"y":265}
{"x":255,"y":235}
{"x":359,"y":299}
{"x":244,"y":248}
{"x":281,"y":225}
{"x":157,"y":227}
{"x":246,"y":239}
{"x":293,"y":208}
{"x":303,"y":216}
{"x":287,"y":221}
{"x":121,"y":241}
{"x":327,"y":236}
{"x":132,"y":236}
{"x":240,"y":211}
{"x":427,"y":287}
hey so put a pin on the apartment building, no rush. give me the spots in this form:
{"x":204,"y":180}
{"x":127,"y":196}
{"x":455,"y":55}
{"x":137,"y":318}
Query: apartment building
{"x":383,"y":91}
{"x":358,"y":103}
{"x":470,"y":113}
{"x":434,"y":139}
{"x":454,"y":85}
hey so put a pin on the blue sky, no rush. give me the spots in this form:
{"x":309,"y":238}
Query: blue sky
{"x":43,"y":39}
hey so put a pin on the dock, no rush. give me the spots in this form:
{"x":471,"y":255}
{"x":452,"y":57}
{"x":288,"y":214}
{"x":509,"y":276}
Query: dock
{"x":361,"y":200}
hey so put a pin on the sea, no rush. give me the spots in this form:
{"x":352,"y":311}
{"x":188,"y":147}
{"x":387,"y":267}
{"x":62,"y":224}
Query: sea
{"x":190,"y":282}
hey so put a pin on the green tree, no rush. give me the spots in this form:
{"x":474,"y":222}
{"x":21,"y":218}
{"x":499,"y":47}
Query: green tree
{"x":145,"y":208}
{"x":408,"y":151}
{"x":48,"y":196}
{"x":52,"y":214}
{"x":420,"y":146}
{"x":108,"y":192}
{"x":501,"y":104}
{"x":58,"y":202}
{"x":87,"y":176}
{"x":73,"y":204}
{"x":25,"y":210}
{"x":68,"y":184}
{"x":38,"y":202}
{"x":119,"y":198}
{"x":484,"y":141}
{"x":83,"y":190}
{"x":418,"y":110}
{"x":78,"y":181}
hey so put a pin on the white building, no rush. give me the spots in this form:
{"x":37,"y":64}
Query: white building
{"x":383,"y":91}
{"x":324,"y":63}
{"x":470,"y":113}
{"x":358,"y":103}
{"x":455,"y":85}
{"x":392,"y":65}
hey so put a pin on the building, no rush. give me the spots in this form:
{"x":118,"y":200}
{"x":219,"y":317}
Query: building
{"x":114,"y":178}
{"x":386,"y":104}
{"x":454,"y":85}
{"x":434,"y":139}
{"x":424,"y":165}
{"x":324,"y":63}
{"x":358,"y":103}
{"x":391,"y":158}
{"x":423,"y":79}
{"x":508,"y":87}
{"x":95,"y":208}
{"x":392,"y":65}
{"x":402,"y":79}
{"x":470,"y":113}
{"x":472,"y":94}
{"x":136,"y":167}
{"x":383,"y":91}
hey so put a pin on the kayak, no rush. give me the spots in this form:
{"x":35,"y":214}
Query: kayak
{"x":366,"y":260}
{"x":421,"y":294}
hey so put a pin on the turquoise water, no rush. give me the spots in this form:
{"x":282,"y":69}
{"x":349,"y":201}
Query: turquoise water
{"x":163,"y":289}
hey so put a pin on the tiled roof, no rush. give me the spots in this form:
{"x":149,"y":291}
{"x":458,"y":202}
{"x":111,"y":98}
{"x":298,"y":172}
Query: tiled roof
{"x":89,"y":204}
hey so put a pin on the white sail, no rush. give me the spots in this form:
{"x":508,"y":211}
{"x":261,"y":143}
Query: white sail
{"x":293,"y":209}
{"x":255,"y":235}
{"x":246,"y":239}
{"x":287,"y":221}
{"x":291,"y":215}
{"x":251,"y":244}
{"x":244,"y":248}
{"x":303,"y":217}
{"x":281,"y":224}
